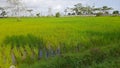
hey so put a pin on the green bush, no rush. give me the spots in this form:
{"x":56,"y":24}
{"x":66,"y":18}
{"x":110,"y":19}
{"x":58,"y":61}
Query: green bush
{"x":57,"y":14}
{"x":99,"y":14}
{"x":116,"y":12}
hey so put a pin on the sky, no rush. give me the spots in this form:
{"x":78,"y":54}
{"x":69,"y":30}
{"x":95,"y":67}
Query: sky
{"x":59,"y":5}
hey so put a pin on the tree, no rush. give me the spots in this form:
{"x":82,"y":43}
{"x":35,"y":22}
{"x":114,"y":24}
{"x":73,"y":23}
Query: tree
{"x":73,"y":13}
{"x":89,"y":10}
{"x":16,"y":7}
{"x":105,"y":9}
{"x":78,"y":8}
{"x":1,"y":8}
{"x":99,"y":14}
{"x":97,"y":9}
{"x":57,"y":14}
{"x":38,"y":14}
{"x":116,"y":12}
{"x":30,"y":11}
{"x":69,"y":13}
{"x":3,"y":13}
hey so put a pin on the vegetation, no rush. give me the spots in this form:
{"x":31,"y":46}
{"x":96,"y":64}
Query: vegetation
{"x":116,"y":12}
{"x":34,"y":41}
{"x":3,"y":12}
{"x":99,"y":14}
{"x":38,"y":14}
{"x":79,"y":9}
{"x":18,"y":9}
{"x":57,"y":14}
{"x":70,"y":42}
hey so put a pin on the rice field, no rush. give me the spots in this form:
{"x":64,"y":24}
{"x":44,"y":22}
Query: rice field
{"x":41,"y":42}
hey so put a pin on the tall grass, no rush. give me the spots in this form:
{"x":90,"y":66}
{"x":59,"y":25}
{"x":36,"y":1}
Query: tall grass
{"x":77,"y":42}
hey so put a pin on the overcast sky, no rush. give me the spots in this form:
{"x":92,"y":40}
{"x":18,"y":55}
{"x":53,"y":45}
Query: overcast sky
{"x":58,"y":5}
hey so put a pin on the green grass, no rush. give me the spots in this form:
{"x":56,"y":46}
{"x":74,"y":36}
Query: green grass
{"x":90,"y":33}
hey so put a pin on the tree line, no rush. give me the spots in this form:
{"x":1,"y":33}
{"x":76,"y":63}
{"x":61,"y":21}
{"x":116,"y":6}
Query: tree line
{"x":17,"y":7}
{"x":79,"y":9}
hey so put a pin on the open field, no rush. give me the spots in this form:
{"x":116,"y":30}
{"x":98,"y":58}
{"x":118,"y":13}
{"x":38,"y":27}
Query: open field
{"x":86,"y":42}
